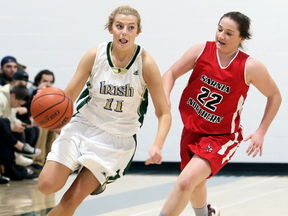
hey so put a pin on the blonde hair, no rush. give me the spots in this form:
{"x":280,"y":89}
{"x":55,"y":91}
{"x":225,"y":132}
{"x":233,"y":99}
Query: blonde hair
{"x":126,"y":10}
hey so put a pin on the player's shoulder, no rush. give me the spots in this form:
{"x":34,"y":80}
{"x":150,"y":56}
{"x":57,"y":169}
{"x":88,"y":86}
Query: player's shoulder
{"x":93,"y":50}
{"x":102,"y":47}
{"x":254,"y":64}
{"x":254,"y":69}
{"x":199,"y":46}
{"x":90,"y":55}
{"x":147,"y":59}
{"x":195,"y":50}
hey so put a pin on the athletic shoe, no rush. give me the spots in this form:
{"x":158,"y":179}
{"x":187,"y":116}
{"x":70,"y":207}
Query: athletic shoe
{"x":23,"y":161}
{"x":28,"y":150}
{"x":4,"y":180}
{"x":30,"y":174}
{"x":213,"y":210}
{"x":36,"y":168}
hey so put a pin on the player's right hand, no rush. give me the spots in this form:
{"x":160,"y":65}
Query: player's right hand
{"x":155,"y":156}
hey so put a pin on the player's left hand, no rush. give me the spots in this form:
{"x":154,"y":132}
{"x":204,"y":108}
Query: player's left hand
{"x":155,"y":156}
{"x":256,"y":144}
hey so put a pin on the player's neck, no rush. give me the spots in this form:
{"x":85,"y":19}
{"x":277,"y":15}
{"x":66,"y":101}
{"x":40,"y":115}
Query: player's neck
{"x":120,"y":56}
{"x":225,"y":58}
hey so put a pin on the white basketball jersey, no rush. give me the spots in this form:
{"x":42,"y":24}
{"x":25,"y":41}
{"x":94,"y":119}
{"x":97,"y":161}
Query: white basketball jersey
{"x":116,"y":99}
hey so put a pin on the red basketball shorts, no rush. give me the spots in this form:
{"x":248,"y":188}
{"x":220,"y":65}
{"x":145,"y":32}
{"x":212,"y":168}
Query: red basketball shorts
{"x":217,"y":149}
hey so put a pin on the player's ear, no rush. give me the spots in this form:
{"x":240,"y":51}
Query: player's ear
{"x":242,"y":39}
{"x":110,"y":29}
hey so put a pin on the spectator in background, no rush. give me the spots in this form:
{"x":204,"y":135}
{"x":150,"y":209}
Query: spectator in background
{"x":43,"y":79}
{"x":7,"y":155}
{"x":11,"y":98}
{"x":21,"y":67}
{"x":31,"y":132}
{"x":4,"y":180}
{"x":8,"y":68}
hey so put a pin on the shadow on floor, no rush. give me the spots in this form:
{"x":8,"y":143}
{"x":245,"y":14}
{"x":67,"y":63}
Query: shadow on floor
{"x":237,"y":169}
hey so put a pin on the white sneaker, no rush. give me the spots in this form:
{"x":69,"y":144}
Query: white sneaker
{"x":23,"y":161}
{"x":213,"y":210}
{"x":28,"y":150}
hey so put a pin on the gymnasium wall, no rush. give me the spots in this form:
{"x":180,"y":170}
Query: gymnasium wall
{"x":55,"y":34}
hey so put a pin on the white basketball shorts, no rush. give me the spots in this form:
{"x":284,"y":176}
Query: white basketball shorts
{"x":82,"y":144}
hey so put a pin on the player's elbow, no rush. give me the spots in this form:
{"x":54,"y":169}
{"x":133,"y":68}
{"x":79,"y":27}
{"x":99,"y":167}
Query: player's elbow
{"x":164,"y":115}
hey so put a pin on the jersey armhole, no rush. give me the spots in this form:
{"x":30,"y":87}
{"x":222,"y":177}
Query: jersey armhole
{"x":98,"y":53}
{"x":143,"y":82}
{"x":201,"y":52}
{"x":245,"y":71}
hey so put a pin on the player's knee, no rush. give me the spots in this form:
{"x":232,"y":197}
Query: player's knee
{"x":44,"y":187}
{"x":185,"y":184}
{"x":47,"y":187}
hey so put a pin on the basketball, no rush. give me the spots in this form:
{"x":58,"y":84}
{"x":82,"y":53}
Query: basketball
{"x":51,"y":108}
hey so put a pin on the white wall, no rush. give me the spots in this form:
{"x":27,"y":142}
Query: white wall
{"x":55,"y":34}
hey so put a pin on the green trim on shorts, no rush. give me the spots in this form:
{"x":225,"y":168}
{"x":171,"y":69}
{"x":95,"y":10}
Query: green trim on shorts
{"x":130,"y":162}
{"x":111,"y":179}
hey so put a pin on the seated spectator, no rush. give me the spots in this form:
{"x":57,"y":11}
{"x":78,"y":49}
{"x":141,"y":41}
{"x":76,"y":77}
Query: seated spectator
{"x":31,"y":133}
{"x":7,"y":155}
{"x":12,"y":98}
{"x":8,"y":68}
{"x":4,"y":180}
{"x":9,"y":100}
{"x":21,"y":67}
{"x":43,"y":79}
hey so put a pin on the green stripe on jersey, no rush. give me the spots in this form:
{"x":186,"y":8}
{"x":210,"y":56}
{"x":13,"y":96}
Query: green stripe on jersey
{"x":142,"y":109}
{"x":84,"y":94}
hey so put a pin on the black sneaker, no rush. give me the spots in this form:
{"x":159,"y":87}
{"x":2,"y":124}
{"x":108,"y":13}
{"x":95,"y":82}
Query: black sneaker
{"x":30,"y":174}
{"x":213,"y":210}
{"x":4,"y":180}
{"x":36,"y":168}
{"x":28,"y":150}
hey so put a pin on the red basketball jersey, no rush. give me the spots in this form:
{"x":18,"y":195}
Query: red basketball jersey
{"x":213,"y":99}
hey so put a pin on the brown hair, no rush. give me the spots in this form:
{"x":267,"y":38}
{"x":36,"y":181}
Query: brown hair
{"x":126,"y":10}
{"x":243,"y":22}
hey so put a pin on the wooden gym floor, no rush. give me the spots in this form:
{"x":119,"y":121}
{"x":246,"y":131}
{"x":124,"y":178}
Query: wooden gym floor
{"x":143,"y":193}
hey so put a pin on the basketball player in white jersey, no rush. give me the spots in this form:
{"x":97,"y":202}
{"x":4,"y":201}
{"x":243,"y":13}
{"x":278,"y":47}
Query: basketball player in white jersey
{"x":100,"y":140}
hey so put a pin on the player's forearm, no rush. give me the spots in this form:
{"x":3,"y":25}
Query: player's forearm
{"x":272,"y":107}
{"x":74,"y":88}
{"x":168,"y":82}
{"x":163,"y":129}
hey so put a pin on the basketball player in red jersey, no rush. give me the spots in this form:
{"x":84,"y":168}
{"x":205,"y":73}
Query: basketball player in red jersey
{"x":210,"y":108}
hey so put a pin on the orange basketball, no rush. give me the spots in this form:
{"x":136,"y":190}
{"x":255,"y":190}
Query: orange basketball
{"x":51,"y":108}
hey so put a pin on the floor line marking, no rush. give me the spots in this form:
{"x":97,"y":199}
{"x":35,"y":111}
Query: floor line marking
{"x":245,"y":186}
{"x":141,"y":213}
{"x":255,"y":183}
{"x":252,"y":198}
